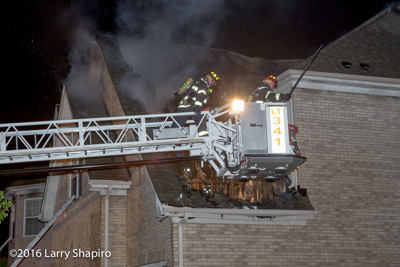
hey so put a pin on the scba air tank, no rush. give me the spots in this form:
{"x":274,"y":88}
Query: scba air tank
{"x":186,"y":85}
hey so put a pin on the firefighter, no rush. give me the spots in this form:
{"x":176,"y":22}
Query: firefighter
{"x":266,"y":91}
{"x":195,"y":99}
{"x":293,"y":130}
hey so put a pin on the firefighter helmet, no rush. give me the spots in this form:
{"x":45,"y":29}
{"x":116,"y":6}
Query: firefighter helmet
{"x":214,"y":76}
{"x":273,"y":79}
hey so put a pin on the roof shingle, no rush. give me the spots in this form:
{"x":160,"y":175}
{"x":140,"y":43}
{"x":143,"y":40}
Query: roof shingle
{"x":375,"y":43}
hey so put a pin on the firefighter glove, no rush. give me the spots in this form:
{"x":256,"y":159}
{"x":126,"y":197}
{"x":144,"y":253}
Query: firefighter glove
{"x":287,"y":97}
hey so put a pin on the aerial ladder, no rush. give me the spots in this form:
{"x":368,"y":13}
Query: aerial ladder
{"x":248,"y":140}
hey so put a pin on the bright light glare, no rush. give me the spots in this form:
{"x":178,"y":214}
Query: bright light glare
{"x":238,"y":105}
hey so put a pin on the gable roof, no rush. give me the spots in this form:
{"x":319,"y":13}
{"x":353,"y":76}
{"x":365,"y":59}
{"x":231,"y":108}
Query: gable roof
{"x":375,"y":43}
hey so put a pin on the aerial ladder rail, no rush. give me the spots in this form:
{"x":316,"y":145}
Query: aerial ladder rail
{"x":252,"y":142}
{"x":109,"y":136}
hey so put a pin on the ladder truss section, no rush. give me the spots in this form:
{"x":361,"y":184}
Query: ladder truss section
{"x":109,"y":136}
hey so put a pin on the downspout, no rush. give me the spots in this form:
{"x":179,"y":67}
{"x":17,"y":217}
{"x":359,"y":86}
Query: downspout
{"x":107,"y":205}
{"x":180,"y":239}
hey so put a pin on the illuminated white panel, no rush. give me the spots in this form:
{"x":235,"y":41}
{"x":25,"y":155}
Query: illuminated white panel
{"x":277,"y":129}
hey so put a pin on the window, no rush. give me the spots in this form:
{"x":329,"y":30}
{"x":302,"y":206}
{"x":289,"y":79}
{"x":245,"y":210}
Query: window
{"x":76,"y":183}
{"x":75,"y":186}
{"x":32,"y":225}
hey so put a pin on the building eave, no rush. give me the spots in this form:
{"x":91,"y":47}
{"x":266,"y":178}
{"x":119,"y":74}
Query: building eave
{"x":239,"y":216}
{"x":13,"y":191}
{"x":346,"y":83}
{"x":103,"y":186}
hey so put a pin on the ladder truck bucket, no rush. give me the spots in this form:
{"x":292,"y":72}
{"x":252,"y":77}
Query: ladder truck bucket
{"x":262,"y":149}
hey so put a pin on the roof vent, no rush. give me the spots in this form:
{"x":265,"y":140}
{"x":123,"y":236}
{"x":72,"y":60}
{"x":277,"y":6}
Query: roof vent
{"x":364,"y":66}
{"x":346,"y":64}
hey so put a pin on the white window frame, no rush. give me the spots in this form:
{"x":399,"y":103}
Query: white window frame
{"x":74,"y":181}
{"x":77,"y":183}
{"x":25,"y":200}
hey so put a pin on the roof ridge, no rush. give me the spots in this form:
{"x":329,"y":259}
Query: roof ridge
{"x":357,"y":29}
{"x":366,"y":50}
{"x":363,"y":25}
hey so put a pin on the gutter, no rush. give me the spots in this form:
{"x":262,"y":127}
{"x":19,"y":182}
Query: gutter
{"x":103,"y":186}
{"x":339,"y":82}
{"x":239,"y":216}
{"x":13,"y":191}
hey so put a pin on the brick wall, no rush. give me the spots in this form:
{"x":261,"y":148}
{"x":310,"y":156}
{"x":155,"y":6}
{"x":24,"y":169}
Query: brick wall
{"x":117,"y":231}
{"x":351,"y":142}
{"x":79,"y":227}
{"x":148,"y":239}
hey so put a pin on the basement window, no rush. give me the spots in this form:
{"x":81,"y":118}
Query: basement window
{"x":32,"y":225}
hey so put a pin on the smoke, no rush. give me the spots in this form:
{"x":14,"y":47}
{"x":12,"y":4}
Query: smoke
{"x":149,"y":32}
{"x":81,"y":29}
{"x":181,"y":21}
{"x":137,"y":88}
{"x":161,"y":64}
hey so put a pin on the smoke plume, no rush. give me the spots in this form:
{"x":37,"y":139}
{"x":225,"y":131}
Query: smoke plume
{"x":81,"y":30}
{"x":149,"y":34}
